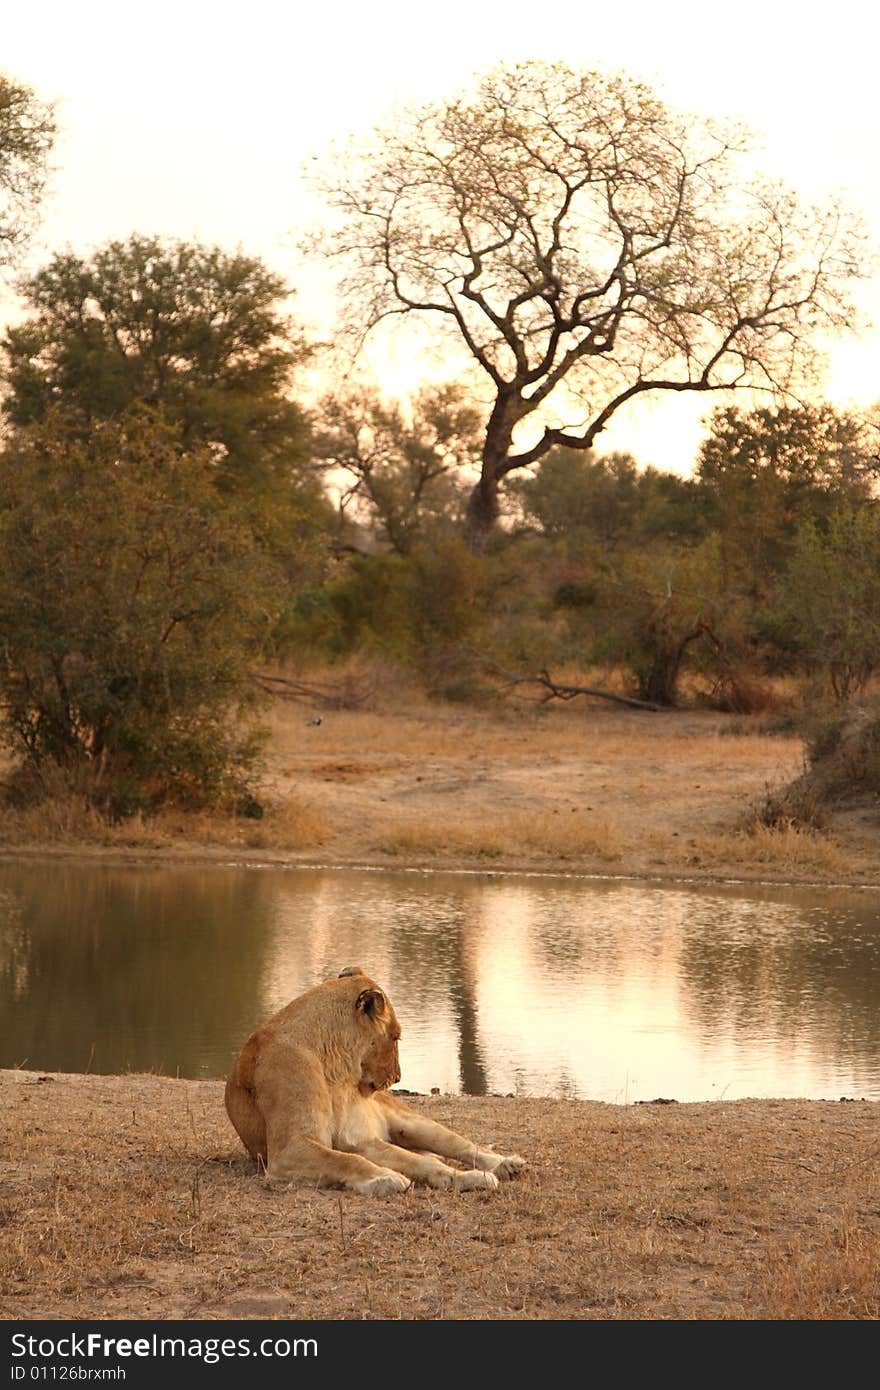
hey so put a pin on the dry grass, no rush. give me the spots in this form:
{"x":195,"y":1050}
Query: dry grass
{"x":838,"y":1277}
{"x":429,"y":731}
{"x":63,"y":819}
{"x":72,"y":821}
{"x":787,"y":849}
{"x":554,"y":834}
{"x":295,"y":823}
{"x":130,"y":1197}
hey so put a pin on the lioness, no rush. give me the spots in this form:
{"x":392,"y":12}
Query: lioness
{"x":309,"y":1099}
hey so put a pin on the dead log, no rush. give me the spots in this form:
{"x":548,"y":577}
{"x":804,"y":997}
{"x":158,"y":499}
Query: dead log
{"x":559,"y":691}
{"x":342,"y":696}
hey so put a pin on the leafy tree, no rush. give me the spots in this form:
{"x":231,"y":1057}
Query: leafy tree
{"x":606,"y":501}
{"x":585,"y":245}
{"x":27,"y":130}
{"x":830,"y":597}
{"x":766,"y":470}
{"x":576,"y":495}
{"x":672,"y":508}
{"x":131,"y":597}
{"x":660,"y":607}
{"x":418,"y":609}
{"x":184,"y":327}
{"x":403,"y":469}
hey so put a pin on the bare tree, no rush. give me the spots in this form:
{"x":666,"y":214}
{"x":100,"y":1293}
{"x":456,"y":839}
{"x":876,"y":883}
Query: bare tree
{"x":404,"y":468}
{"x":587,"y":245}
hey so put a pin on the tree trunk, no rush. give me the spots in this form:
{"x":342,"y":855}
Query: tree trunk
{"x":483,"y":508}
{"x":482,"y":512}
{"x":659,"y":681}
{"x":659,"y":684}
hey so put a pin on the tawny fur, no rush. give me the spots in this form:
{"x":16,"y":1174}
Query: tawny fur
{"x":309,"y":1099}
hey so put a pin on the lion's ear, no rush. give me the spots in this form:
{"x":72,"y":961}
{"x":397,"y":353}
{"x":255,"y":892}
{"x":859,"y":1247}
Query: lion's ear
{"x":371,"y":1002}
{"x":350,"y":970}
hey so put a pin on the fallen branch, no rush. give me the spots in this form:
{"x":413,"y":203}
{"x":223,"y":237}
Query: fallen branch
{"x":343,"y":696}
{"x":556,"y":690}
{"x":568,"y":692}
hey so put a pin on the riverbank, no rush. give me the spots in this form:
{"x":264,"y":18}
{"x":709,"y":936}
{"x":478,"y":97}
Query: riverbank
{"x":130,"y":1197}
{"x":560,"y":789}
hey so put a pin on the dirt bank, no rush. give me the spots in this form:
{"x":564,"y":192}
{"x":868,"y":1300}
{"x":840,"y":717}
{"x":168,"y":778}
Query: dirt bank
{"x":571,"y":789}
{"x":129,"y":1196}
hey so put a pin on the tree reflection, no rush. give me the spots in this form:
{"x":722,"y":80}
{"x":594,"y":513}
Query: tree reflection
{"x":129,"y":969}
{"x":119,"y":969}
{"x":790,"y":971}
{"x":433,"y":939}
{"x":463,"y":988}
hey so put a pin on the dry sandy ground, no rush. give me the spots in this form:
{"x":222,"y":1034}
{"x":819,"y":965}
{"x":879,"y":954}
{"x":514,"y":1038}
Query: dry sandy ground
{"x":583,"y":789}
{"x":129,"y":1197}
{"x":573,"y":788}
{"x":578,"y":787}
{"x":567,"y":788}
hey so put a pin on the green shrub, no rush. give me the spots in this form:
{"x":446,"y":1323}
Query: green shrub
{"x":132,"y":597}
{"x":830,"y":598}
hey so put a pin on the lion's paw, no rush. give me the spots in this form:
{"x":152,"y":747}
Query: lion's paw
{"x":443,"y":1178}
{"x":474,"y":1178}
{"x":387,"y":1184}
{"x":503,"y":1166}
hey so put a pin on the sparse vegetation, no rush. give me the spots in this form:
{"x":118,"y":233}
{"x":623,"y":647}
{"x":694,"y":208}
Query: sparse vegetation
{"x":407,"y":779}
{"x":511,"y":834}
{"x":771,"y":1214}
{"x":787,"y":847}
{"x":176,"y":522}
{"x":68,"y":820}
{"x":843,"y":769}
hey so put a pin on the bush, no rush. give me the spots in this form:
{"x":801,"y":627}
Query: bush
{"x":830,"y":598}
{"x":844,"y":750}
{"x":843,"y":753}
{"x":419,"y":609}
{"x":131,"y":597}
{"x":663,"y":611}
{"x":740,"y":691}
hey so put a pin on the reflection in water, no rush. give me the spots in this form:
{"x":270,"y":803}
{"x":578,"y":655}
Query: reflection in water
{"x":612,"y":991}
{"x":109,"y":969}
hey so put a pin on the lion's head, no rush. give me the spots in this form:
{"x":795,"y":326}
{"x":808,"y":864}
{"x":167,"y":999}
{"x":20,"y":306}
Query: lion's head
{"x":380,"y":1033}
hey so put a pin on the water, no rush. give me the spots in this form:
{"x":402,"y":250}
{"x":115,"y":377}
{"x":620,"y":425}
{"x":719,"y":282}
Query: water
{"x":614,"y":991}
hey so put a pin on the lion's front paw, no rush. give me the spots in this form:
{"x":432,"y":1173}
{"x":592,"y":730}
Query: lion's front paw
{"x":387,"y":1184}
{"x":509,"y":1167}
{"x":474,"y":1178}
{"x":502,"y":1166}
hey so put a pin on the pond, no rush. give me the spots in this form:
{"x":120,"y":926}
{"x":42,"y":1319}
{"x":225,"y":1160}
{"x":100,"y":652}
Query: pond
{"x":535,"y":985}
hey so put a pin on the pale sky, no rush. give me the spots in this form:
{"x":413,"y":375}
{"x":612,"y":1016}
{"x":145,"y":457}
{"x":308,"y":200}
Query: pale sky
{"x":193,"y":119}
